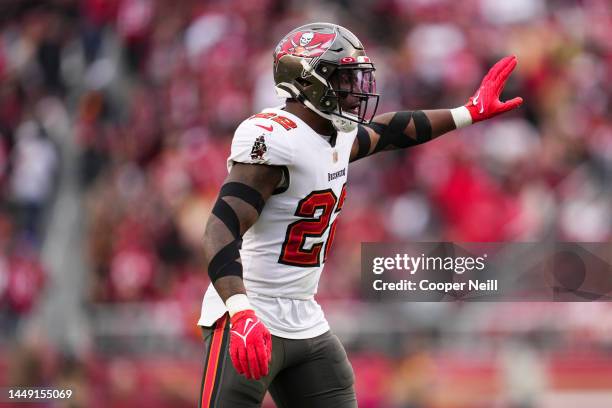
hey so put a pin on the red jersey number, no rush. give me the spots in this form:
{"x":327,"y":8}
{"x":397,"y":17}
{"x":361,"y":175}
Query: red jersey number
{"x":317,"y":208}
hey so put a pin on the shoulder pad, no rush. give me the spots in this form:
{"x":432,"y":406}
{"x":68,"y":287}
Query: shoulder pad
{"x":258,"y":141}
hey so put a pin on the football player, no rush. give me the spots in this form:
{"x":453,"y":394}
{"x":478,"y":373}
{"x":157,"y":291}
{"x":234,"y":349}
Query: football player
{"x":274,"y":221}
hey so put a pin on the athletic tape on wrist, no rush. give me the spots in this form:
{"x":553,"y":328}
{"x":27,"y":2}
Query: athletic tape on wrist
{"x":461,"y":117}
{"x":237,"y":303}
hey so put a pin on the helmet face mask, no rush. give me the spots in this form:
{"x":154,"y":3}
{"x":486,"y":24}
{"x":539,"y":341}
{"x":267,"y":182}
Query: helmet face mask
{"x":324,"y":66}
{"x":353,"y":92}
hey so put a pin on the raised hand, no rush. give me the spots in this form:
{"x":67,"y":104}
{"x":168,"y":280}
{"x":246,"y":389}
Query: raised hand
{"x":485,"y":103}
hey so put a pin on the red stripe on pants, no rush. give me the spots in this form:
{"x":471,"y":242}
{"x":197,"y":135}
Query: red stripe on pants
{"x":213,"y":362}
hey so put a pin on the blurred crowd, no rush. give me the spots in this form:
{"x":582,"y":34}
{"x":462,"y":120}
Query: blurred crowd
{"x":148,"y":93}
{"x":156,"y":147}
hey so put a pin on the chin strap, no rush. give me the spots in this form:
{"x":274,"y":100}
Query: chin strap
{"x":341,"y":124}
{"x":344,"y":125}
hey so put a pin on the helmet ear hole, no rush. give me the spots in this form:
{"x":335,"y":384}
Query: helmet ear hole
{"x":328,"y":104}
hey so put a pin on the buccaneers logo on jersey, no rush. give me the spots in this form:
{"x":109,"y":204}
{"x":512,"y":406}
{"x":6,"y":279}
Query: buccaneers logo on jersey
{"x":259,"y":149}
{"x":306,"y":44}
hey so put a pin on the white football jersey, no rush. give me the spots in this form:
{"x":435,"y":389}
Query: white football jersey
{"x":283,"y":253}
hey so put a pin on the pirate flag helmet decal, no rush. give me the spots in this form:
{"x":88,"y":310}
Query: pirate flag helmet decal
{"x":325,"y":67}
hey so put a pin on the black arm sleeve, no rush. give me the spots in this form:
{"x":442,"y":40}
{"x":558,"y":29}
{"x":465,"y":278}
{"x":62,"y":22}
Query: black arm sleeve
{"x":364,"y":143}
{"x":225,"y":263}
{"x":394,"y":133}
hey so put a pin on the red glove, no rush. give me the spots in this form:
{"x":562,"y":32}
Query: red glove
{"x":485,"y":103}
{"x":250,"y":345}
